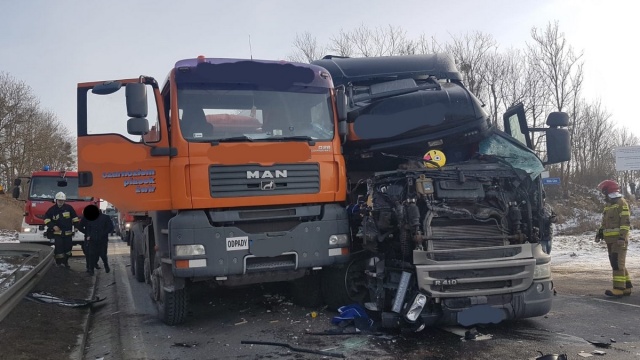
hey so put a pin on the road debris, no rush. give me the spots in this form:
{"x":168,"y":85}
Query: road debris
{"x":599,"y":344}
{"x":241,"y":322}
{"x":598,"y":352}
{"x":551,"y":356}
{"x":584,"y":354}
{"x":47,"y":298}
{"x":292,"y":348}
{"x":184,"y":344}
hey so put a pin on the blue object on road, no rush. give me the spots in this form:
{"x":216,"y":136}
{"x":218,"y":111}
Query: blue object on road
{"x":351,"y":312}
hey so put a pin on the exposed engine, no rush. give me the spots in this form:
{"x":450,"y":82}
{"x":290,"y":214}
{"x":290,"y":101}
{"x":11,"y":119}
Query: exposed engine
{"x":413,"y":223}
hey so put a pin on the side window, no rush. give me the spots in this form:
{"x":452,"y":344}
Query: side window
{"x":514,"y":129}
{"x":107,"y":114}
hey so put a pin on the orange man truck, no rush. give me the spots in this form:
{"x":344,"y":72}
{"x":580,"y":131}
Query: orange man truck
{"x":240,"y":179}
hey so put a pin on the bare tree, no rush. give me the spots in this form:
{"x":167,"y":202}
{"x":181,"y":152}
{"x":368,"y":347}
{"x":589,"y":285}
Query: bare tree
{"x":29,"y":137}
{"x":561,"y":69}
{"x":307,"y":48}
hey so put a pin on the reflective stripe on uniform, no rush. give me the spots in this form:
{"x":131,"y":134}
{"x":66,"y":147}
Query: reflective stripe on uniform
{"x":75,"y":219}
{"x":611,"y":232}
{"x":46,"y":221}
{"x":625,"y":227}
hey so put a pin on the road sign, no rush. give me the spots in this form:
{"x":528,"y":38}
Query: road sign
{"x":551,"y":181}
{"x":628,"y":158}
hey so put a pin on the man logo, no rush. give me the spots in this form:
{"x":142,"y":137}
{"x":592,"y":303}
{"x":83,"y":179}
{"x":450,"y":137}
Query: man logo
{"x":267,"y":185}
{"x":267,"y":174}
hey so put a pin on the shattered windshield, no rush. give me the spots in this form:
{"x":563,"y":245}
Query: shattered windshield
{"x":516,"y":155}
{"x":247,"y":115}
{"x":46,"y":187}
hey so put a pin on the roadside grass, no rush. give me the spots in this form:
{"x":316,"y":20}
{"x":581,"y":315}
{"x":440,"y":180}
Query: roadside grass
{"x":11,"y":212}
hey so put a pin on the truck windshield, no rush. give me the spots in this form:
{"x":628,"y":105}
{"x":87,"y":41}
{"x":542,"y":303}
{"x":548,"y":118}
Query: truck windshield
{"x":46,"y":187}
{"x":247,"y":115}
{"x":513,"y":152}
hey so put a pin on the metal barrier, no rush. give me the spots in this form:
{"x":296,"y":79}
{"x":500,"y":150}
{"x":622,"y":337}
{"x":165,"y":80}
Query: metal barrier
{"x":29,"y":263}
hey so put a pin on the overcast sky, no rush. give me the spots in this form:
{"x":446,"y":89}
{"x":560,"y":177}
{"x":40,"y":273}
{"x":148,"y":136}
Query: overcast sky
{"x":53,"y":45}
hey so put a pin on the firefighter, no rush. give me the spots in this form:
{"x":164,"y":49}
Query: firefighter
{"x":96,"y":227}
{"x":60,"y":219}
{"x":615,"y":232}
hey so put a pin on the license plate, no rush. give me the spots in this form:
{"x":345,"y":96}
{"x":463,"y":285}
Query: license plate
{"x":237,"y":243}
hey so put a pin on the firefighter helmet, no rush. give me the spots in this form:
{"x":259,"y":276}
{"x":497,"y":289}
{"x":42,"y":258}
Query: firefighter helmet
{"x":608,"y":186}
{"x":61,"y":196}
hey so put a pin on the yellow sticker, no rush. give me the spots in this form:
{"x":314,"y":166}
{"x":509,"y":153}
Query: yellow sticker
{"x":434,"y":159}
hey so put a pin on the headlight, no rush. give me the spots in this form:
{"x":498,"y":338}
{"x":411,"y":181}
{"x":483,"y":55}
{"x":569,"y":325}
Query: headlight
{"x":338,"y":240}
{"x":416,"y":307}
{"x":187,"y":250}
{"x":26,"y":229}
{"x":542,"y":271}
{"x":127,"y":225}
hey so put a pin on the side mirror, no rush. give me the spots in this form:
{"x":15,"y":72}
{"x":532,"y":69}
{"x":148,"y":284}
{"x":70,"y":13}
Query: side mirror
{"x":136,"y":94}
{"x":558,"y":146}
{"x":138,"y":126}
{"x":558,"y":119}
{"x":341,"y":103}
{"x":343,"y":130}
{"x":15,"y":193}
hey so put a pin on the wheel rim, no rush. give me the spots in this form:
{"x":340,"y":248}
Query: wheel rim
{"x":355,"y":281}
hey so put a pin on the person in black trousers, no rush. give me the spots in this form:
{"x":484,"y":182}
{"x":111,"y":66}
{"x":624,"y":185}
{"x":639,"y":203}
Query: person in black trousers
{"x":96,"y":227}
{"x":60,"y":220}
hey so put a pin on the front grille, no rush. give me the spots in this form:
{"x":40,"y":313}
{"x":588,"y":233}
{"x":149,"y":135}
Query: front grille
{"x":465,"y":237}
{"x":282,"y":262}
{"x":256,"y":180}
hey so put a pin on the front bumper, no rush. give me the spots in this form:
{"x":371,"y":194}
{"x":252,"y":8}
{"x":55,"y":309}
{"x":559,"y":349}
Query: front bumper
{"x":303,"y":246}
{"x":40,"y":238}
{"x":535,"y":301}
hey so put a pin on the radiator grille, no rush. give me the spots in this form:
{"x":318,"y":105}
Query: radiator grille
{"x":256,"y":180}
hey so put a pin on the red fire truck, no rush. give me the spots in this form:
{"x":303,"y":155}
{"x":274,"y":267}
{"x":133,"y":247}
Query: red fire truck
{"x":41,"y":188}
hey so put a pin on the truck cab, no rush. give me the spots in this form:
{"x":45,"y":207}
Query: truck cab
{"x":235,"y":176}
{"x":40,"y":189}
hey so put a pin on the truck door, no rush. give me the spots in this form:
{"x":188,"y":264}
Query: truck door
{"x":515,"y":124}
{"x":116,"y":162}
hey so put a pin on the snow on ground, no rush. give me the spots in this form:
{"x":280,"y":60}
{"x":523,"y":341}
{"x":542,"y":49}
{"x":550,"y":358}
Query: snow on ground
{"x":582,"y":251}
{"x":8,"y":236}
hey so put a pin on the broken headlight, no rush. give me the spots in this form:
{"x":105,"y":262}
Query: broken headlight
{"x":416,"y":307}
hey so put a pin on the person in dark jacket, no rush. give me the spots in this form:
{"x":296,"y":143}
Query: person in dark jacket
{"x":59,"y":220}
{"x":96,"y":227}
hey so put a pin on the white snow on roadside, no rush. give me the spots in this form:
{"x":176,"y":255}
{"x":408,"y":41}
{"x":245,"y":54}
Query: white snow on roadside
{"x":8,"y":236}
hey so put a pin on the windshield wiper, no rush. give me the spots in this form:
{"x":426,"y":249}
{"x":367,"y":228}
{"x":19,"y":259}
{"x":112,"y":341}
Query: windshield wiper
{"x":311,"y":140}
{"x":231,"y":139}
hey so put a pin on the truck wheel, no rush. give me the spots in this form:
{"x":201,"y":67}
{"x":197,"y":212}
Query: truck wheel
{"x":139,"y":267}
{"x":344,"y":284}
{"x":147,"y":271}
{"x":171,"y":305}
{"x":132,"y":258}
{"x":305,"y":291}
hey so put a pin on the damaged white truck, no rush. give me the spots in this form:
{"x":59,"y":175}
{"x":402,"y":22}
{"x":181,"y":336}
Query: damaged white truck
{"x":445,"y":209}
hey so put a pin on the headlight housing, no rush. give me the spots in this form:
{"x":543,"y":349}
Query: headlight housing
{"x":416,"y":307}
{"x":339,"y":240}
{"x":542,"y":271}
{"x":127,"y":225}
{"x":189,"y":250}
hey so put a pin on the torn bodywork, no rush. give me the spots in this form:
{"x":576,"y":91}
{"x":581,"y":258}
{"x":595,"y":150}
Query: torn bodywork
{"x":456,"y":244}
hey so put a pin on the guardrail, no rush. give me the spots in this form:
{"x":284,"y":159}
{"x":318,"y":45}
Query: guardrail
{"x":27,"y":264}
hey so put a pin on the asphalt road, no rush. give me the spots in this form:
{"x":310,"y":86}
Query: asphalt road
{"x":126,"y":327}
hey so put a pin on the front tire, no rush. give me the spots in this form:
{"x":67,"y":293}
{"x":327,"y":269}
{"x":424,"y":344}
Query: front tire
{"x":345,"y":284}
{"x":171,"y":305}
